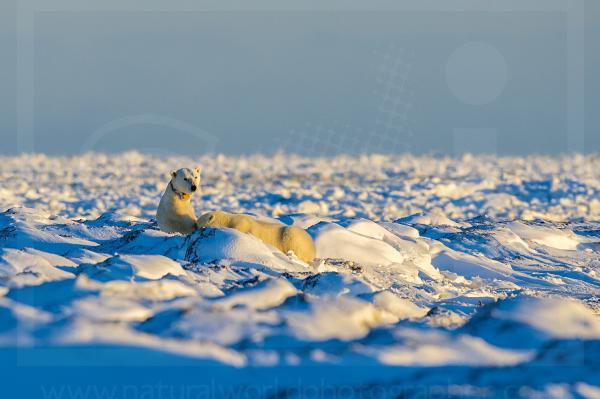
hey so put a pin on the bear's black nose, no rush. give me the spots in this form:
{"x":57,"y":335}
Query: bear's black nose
{"x":193,"y":187}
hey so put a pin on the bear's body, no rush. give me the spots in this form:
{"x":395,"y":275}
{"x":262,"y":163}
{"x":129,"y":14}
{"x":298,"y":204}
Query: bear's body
{"x":175,"y":213}
{"x":283,"y":237}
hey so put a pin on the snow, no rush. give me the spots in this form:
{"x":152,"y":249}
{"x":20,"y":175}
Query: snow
{"x":335,"y":242}
{"x":545,"y":236}
{"x":400,"y":308}
{"x":420,"y":348}
{"x":133,"y":268}
{"x":31,"y":267}
{"x":264,"y":295}
{"x":344,"y":318}
{"x":464,"y":274}
{"x":557,"y":318}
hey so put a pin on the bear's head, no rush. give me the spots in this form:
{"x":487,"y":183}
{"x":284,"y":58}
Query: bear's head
{"x":185,"y":181}
{"x":211,"y":219}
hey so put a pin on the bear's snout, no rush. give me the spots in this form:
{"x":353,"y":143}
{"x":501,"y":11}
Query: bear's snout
{"x":194,"y":187}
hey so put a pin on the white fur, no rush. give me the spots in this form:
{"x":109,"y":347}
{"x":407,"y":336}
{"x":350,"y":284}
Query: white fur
{"x":175,"y":213}
{"x":285,"y":238}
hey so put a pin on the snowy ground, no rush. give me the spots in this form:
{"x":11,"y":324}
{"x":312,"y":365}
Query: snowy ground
{"x":435,"y":277}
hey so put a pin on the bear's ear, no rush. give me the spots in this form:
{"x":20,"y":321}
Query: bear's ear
{"x":198,"y":169}
{"x":173,"y":174}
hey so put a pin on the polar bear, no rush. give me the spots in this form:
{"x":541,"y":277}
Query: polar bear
{"x":175,"y":213}
{"x":285,"y":238}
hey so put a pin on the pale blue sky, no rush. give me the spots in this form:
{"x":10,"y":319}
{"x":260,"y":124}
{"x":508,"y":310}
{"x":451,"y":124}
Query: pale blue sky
{"x":314,"y":82}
